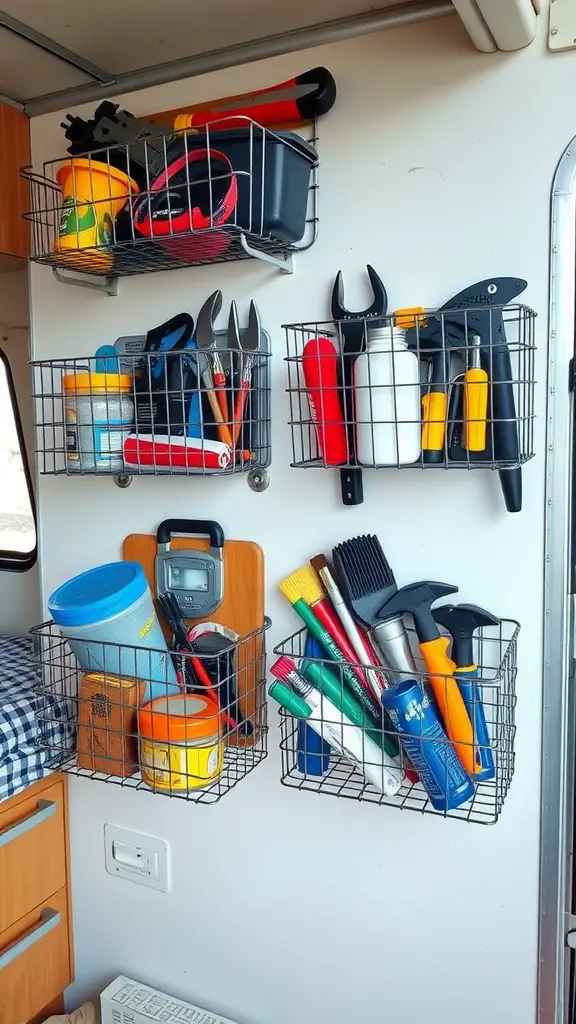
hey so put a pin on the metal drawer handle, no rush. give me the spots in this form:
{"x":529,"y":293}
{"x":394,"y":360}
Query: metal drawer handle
{"x":49,"y":919}
{"x":45,"y":810}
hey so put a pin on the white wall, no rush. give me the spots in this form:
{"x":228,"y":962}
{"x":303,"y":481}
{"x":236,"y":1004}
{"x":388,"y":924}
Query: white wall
{"x":19,"y":596}
{"x":436,"y":167}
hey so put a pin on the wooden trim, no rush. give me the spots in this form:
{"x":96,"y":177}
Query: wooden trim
{"x":56,"y":1006}
{"x":14,"y":200}
{"x":36,"y":789}
{"x":68,"y":875}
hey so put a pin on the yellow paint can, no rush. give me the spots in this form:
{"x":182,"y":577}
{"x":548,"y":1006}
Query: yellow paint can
{"x":181,"y":746}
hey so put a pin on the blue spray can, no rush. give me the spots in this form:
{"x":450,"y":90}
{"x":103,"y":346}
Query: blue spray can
{"x":313,"y":753}
{"x":415,"y":718}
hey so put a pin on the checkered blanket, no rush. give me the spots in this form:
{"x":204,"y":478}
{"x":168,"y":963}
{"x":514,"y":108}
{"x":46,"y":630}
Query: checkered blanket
{"x":33,"y":724}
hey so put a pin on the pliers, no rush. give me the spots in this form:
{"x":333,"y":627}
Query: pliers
{"x":247,"y":346}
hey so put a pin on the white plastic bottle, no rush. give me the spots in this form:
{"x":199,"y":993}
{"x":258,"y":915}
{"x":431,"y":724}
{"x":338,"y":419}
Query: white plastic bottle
{"x":387,"y":400}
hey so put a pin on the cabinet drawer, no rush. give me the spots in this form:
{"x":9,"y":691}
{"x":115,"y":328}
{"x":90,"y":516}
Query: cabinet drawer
{"x":34,"y":961}
{"x":32,"y":853}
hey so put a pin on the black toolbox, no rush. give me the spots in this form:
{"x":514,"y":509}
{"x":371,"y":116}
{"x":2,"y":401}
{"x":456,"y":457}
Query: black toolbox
{"x":273,"y":171}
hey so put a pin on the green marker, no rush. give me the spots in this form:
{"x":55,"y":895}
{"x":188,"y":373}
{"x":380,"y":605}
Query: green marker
{"x":328,"y":683}
{"x":323,"y":637}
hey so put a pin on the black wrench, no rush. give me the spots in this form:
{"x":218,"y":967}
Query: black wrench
{"x":353,"y":328}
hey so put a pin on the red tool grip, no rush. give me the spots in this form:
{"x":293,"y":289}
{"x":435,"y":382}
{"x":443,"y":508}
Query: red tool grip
{"x":320,"y":367}
{"x":278,"y":111}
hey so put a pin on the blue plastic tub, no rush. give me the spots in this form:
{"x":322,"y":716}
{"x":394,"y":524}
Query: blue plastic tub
{"x":108,"y":617}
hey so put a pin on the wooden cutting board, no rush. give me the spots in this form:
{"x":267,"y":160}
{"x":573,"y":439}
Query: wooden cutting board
{"x":242,"y":607}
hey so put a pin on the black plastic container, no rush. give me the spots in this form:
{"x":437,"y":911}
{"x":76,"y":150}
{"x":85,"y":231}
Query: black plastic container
{"x":273,"y":177}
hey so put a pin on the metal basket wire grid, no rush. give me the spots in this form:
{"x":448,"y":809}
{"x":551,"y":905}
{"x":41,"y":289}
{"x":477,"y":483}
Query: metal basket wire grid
{"x":143,"y":426}
{"x":122,"y":738}
{"x":465,"y":401}
{"x":229,"y":191}
{"x":495,"y":655}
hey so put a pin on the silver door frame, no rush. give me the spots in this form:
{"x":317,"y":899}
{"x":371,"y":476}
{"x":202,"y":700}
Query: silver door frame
{"x":557,"y":792}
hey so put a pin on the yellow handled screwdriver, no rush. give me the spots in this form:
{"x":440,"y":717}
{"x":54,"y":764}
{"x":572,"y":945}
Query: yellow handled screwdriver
{"x":475,"y":400}
{"x":435,"y":401}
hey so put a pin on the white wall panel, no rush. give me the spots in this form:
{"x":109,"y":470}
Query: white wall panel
{"x":436,"y":168}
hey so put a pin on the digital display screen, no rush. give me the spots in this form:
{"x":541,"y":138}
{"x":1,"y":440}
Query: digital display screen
{"x":188,"y":578}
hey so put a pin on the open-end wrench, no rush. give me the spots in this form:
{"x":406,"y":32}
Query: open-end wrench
{"x":353,"y":328}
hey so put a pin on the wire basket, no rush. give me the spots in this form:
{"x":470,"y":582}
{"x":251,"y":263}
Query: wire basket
{"x":187,"y":198}
{"x":462,"y":400}
{"x":135,"y":727}
{"x":154,"y":417}
{"x":345,"y":776}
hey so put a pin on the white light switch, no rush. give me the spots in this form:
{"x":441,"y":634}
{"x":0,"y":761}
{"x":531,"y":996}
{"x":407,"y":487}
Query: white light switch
{"x":135,"y":857}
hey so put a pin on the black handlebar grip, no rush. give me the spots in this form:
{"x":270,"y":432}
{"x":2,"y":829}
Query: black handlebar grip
{"x":201,"y":527}
{"x":322,"y":99}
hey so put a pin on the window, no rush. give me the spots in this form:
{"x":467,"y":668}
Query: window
{"x":17,"y":509}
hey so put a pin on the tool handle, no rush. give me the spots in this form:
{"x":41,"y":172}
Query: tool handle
{"x":475,"y":409}
{"x":366,"y":700}
{"x":449,"y":699}
{"x":242,"y":397}
{"x":223,"y":429}
{"x":197,"y":527}
{"x":222,"y":401}
{"x":320,"y":369}
{"x":485,"y":768}
{"x":327,"y":616}
{"x":434,"y":407}
{"x":277,"y":111}
{"x":503,"y":405}
{"x":506,"y":445}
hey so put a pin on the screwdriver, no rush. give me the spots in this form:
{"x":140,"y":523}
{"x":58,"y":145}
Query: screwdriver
{"x":475,"y":400}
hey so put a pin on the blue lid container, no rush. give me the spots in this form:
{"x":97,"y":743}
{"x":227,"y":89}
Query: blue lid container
{"x":97,"y":594}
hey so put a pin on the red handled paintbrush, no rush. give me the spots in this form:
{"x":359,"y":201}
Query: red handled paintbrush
{"x":306,"y":584}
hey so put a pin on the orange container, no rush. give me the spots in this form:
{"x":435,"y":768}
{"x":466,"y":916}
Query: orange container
{"x":181,"y":744}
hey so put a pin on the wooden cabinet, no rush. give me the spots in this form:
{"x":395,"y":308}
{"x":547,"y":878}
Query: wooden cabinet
{"x":36,"y":962}
{"x":14,"y":201}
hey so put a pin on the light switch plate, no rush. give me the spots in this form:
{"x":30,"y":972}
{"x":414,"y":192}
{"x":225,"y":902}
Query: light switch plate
{"x":136,"y":857}
{"x":562,"y":31}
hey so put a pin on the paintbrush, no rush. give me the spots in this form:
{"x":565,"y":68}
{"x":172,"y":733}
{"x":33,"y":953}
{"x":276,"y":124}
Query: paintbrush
{"x":308,"y":585}
{"x":359,"y":642}
{"x":324,"y":637}
{"x":367,"y":583}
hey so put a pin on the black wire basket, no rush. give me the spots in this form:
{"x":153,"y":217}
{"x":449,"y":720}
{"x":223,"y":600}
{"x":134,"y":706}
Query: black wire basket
{"x":229,"y":191}
{"x":155,"y":416}
{"x":450,"y":389}
{"x":320,"y":766}
{"x":181,"y":725}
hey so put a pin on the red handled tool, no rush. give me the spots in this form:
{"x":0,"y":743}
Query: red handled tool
{"x":248,"y":346}
{"x":320,"y":368}
{"x":300,"y":99}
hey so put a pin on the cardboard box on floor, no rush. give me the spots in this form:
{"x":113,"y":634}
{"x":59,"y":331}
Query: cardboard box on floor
{"x":126,"y":1001}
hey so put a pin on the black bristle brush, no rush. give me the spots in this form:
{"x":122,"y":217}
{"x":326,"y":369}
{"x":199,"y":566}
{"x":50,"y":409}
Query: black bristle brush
{"x":367,"y":584}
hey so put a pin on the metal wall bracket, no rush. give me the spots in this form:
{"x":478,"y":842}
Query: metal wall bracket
{"x":286,"y":264}
{"x":258,"y":480}
{"x":123,"y":480}
{"x":562,"y":29}
{"x":108,"y":285}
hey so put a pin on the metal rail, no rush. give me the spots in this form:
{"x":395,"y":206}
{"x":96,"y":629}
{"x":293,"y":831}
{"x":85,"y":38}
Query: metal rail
{"x":243,"y":53}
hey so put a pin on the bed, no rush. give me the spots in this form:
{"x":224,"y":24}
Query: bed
{"x":33,"y":725}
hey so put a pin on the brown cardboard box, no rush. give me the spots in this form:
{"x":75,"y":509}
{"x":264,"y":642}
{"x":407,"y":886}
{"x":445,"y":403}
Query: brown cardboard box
{"x":107,"y":723}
